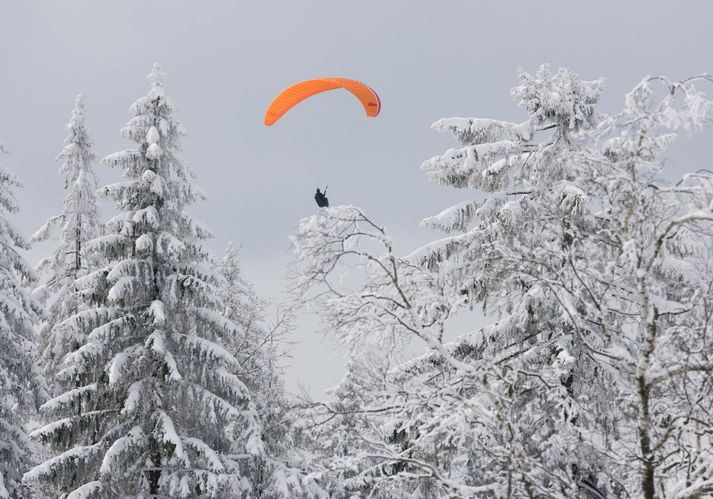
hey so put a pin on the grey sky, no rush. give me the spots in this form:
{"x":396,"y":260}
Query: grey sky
{"x":227,"y":59}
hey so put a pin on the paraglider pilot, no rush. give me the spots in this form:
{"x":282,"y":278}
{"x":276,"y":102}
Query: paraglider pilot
{"x":321,"y":198}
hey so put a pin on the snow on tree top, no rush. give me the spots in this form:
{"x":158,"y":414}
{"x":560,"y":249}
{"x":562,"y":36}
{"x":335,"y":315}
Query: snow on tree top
{"x":157,"y":77}
{"x":562,"y":97}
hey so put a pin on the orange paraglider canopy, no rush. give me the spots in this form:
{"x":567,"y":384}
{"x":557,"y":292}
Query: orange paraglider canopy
{"x":295,"y":94}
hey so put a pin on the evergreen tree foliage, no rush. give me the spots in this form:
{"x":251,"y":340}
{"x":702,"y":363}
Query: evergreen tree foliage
{"x":22,"y":387}
{"x":73,"y":227}
{"x":156,"y":408}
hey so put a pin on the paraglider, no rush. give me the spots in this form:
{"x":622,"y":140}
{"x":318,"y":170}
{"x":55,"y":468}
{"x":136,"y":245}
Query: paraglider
{"x":321,"y":198}
{"x":295,"y":94}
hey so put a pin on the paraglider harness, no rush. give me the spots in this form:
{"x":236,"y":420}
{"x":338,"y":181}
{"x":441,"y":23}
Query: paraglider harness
{"x":321,"y":198}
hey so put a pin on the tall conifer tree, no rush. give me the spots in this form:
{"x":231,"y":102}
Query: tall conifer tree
{"x":74,"y":227}
{"x":158,"y":409}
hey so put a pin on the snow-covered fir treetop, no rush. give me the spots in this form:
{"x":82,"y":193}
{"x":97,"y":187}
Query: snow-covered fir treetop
{"x":79,"y":219}
{"x":500,"y":155}
{"x":560,"y":99}
{"x":77,"y":142}
{"x":158,"y":135}
{"x":138,"y":129}
{"x":157,"y":77}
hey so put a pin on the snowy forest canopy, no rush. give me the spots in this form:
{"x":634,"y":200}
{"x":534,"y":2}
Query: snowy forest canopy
{"x":134,"y":363}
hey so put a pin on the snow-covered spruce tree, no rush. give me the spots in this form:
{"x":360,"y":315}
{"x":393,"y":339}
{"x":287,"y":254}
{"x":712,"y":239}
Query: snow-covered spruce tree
{"x":73,"y":227}
{"x":588,"y":255}
{"x":22,"y":387}
{"x":506,"y":251}
{"x":157,"y":410}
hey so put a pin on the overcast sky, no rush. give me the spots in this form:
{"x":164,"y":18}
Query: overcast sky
{"x":227,"y":59}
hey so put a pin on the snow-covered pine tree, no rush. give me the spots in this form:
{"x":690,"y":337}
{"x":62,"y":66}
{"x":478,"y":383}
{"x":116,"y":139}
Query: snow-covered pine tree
{"x":22,"y":387}
{"x":73,"y":227}
{"x":157,"y":410}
